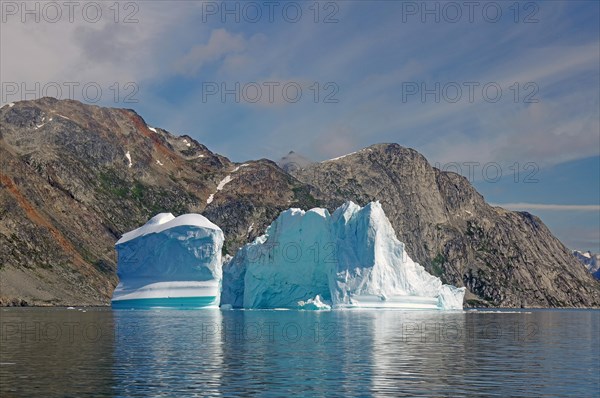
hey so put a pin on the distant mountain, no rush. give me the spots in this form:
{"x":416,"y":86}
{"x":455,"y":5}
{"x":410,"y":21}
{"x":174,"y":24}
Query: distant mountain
{"x":590,"y":260}
{"x":75,"y":177}
{"x":293,"y":161}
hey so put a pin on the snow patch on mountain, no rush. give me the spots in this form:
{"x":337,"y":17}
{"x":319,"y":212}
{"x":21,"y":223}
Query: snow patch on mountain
{"x":339,"y":157}
{"x":346,"y":155}
{"x":240,"y":166}
{"x":223,"y":182}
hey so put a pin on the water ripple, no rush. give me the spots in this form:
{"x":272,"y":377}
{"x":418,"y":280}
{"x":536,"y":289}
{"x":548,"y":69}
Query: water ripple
{"x":54,"y":352}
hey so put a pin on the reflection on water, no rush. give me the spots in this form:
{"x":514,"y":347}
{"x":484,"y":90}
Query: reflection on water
{"x":164,"y":351}
{"x":100,"y":352}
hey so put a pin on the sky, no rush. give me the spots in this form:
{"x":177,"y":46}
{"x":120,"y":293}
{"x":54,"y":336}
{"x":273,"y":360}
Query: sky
{"x":507,"y":94}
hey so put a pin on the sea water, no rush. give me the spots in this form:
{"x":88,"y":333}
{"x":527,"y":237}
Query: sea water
{"x":106,"y":352}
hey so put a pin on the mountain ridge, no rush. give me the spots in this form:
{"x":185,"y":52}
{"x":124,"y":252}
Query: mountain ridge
{"x":75,"y":177}
{"x":590,"y":260}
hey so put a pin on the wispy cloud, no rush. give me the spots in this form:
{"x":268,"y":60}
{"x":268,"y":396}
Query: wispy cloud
{"x":221,"y":46}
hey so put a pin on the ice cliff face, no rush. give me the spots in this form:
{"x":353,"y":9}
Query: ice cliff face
{"x":170,"y":258}
{"x":351,"y":258}
{"x":288,"y":264}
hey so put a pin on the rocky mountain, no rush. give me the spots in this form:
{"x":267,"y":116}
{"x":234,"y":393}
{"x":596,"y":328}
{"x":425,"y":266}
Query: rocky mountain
{"x":293,"y":161}
{"x":75,"y":177}
{"x":590,"y":260}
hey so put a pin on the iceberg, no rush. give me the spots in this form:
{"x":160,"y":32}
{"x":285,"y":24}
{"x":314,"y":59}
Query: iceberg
{"x":313,"y":304}
{"x":170,"y":262}
{"x":317,"y":260}
{"x":282,"y":267}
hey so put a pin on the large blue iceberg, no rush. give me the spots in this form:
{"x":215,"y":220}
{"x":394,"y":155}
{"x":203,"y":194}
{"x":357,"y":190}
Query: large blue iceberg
{"x":170,"y":262}
{"x":314,"y":260}
{"x":309,"y":260}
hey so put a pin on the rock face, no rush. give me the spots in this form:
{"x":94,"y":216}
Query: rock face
{"x":170,"y":261}
{"x":350,"y":258}
{"x":75,"y":177}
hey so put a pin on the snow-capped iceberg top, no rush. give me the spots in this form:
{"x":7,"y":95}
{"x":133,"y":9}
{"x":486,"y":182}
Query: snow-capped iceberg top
{"x":164,"y":221}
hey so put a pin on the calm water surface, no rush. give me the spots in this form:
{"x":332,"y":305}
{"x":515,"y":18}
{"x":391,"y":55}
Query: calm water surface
{"x":101,"y":352}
